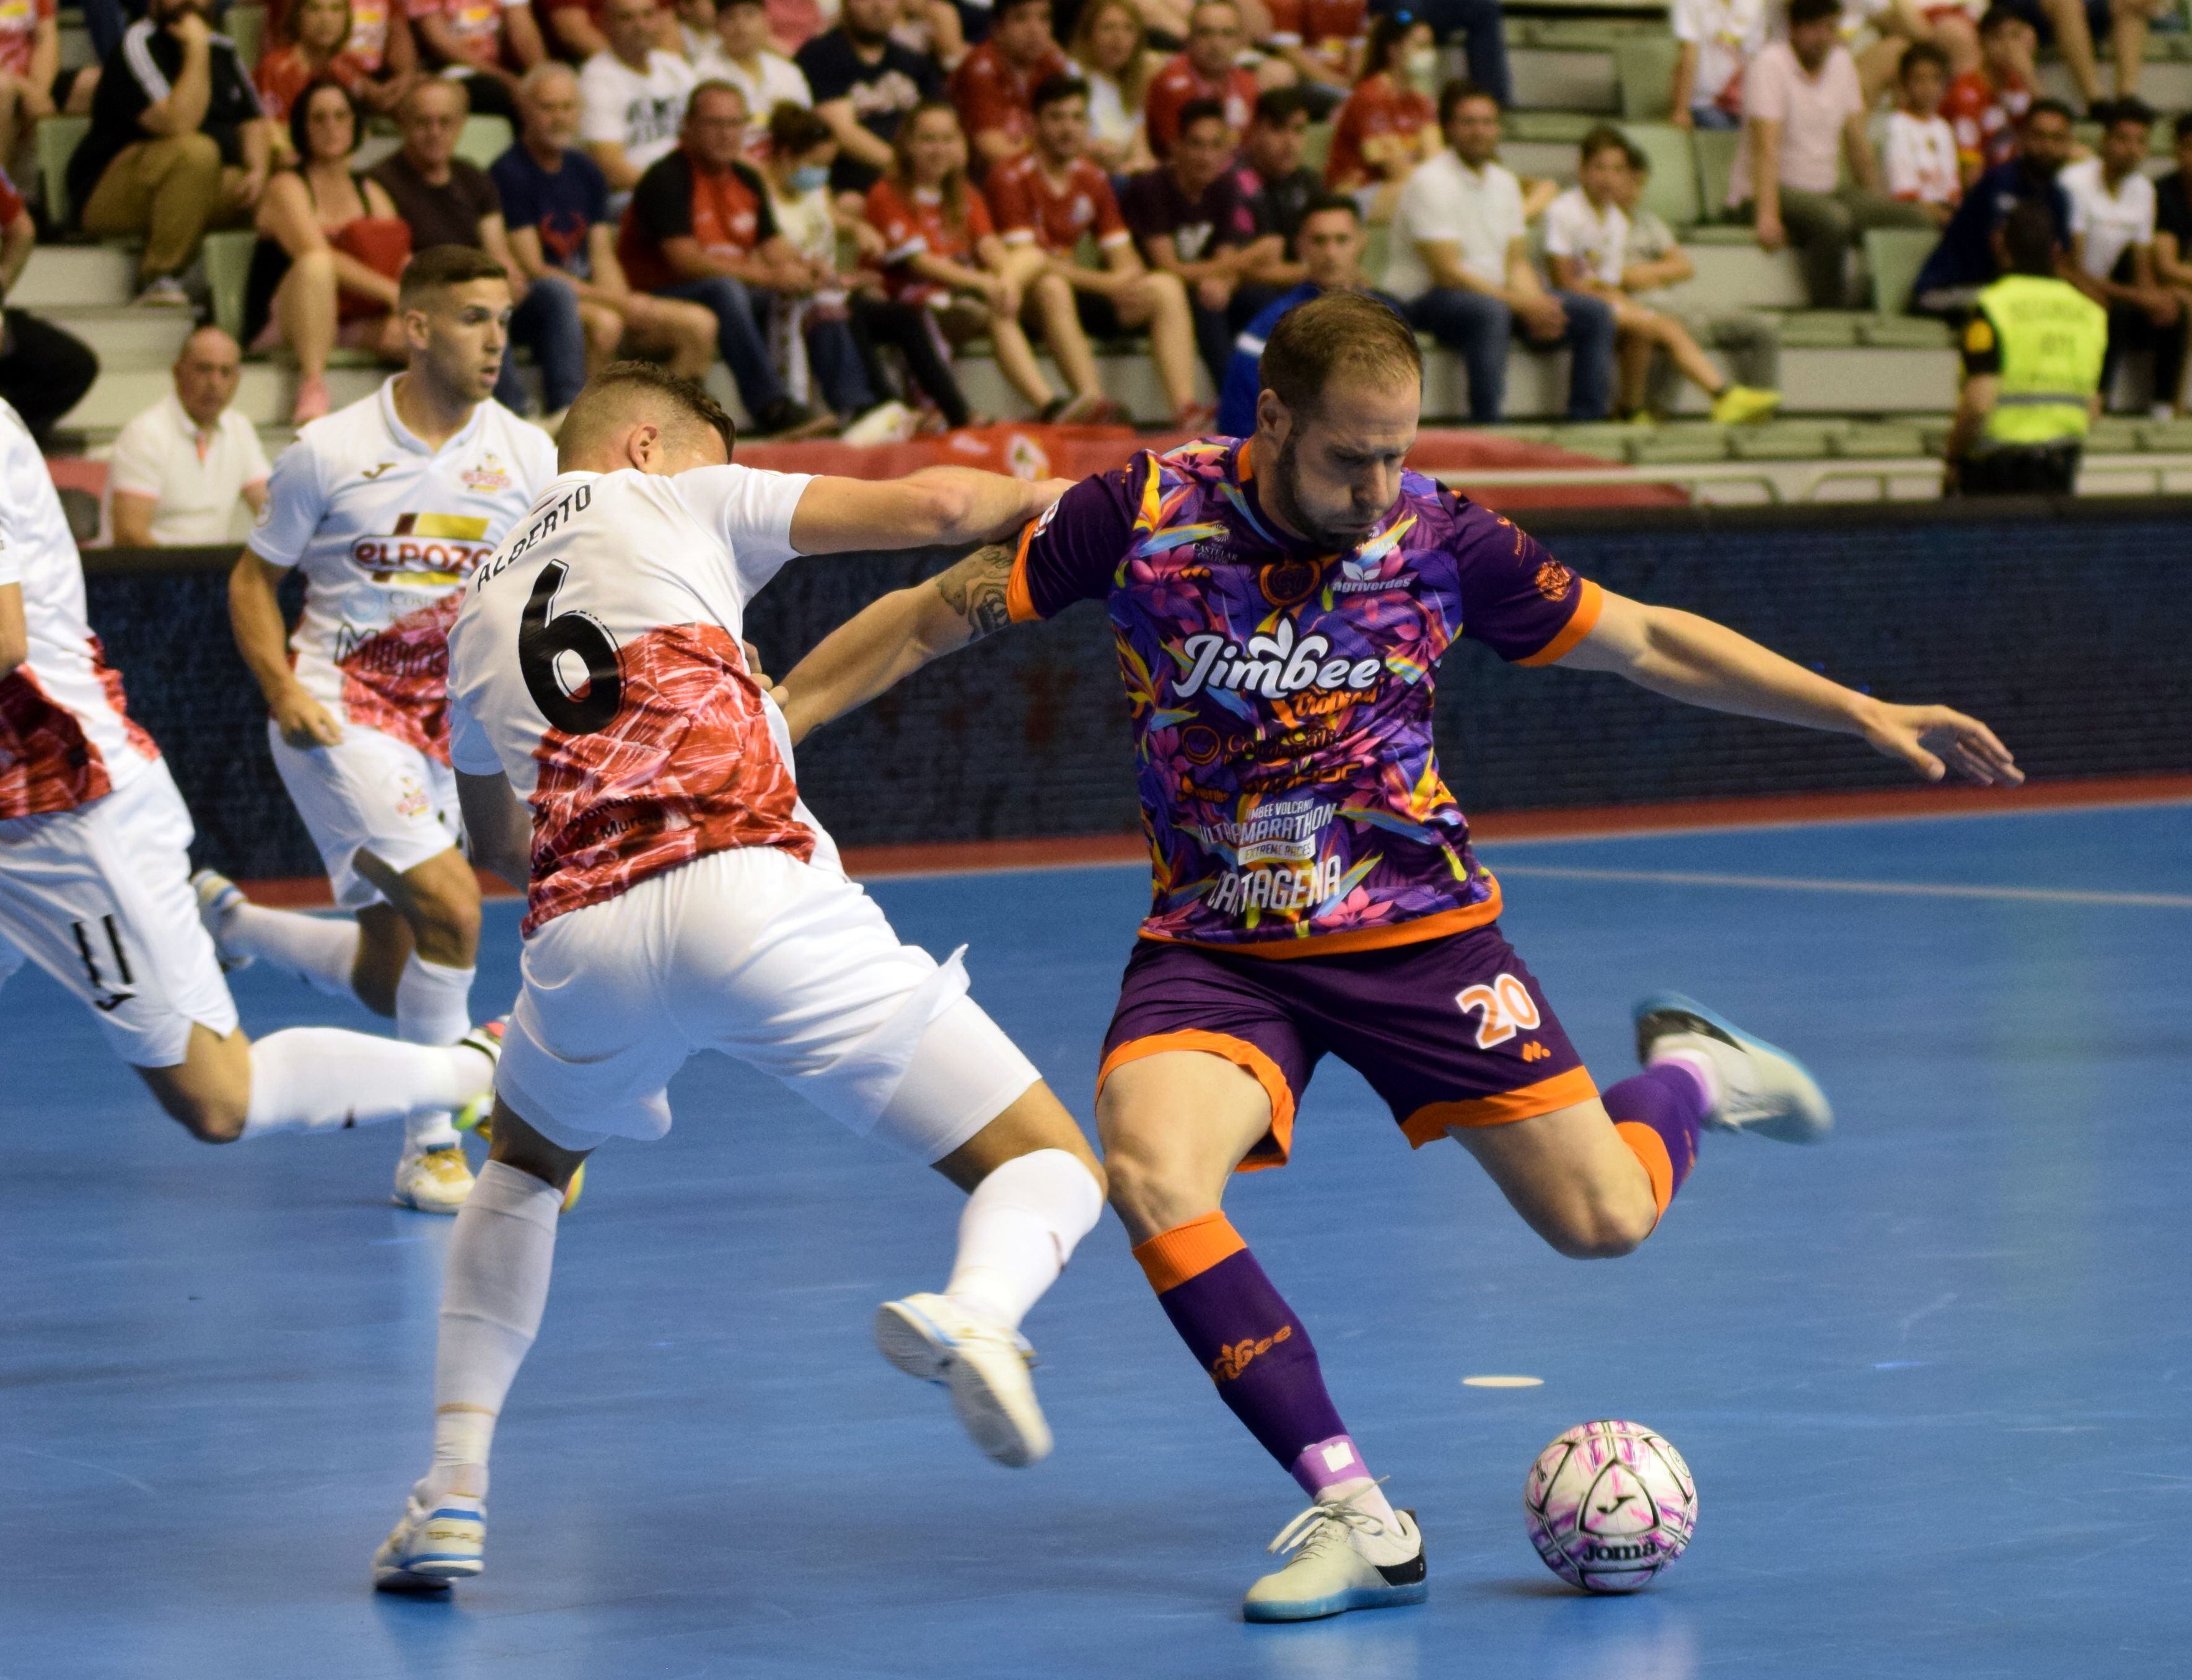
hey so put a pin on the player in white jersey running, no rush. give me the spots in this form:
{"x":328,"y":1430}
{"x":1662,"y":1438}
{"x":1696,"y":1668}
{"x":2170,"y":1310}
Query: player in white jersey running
{"x":682,"y":898}
{"x":387,"y":506}
{"x":94,"y":875}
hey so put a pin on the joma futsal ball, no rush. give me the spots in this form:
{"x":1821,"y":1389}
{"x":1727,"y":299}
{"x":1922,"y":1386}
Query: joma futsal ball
{"x":1609,"y":1505}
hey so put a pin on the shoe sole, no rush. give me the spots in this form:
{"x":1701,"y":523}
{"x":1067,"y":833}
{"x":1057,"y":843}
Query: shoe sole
{"x":1338,"y":1603}
{"x":1796,"y":1128}
{"x":917,"y":1345}
{"x":435,"y":1571}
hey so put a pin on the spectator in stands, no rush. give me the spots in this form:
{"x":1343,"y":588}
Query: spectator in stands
{"x":996,"y":81}
{"x":1897,"y":26}
{"x":1985,"y":104}
{"x":1920,"y":153}
{"x":330,"y":247}
{"x":1389,"y":124}
{"x":1110,"y":52}
{"x":2129,"y":20}
{"x":2173,"y":222}
{"x":43,"y":370}
{"x":941,"y":251}
{"x":1052,"y":197}
{"x":863,"y":85}
{"x":32,"y":85}
{"x":1460,"y":264}
{"x":2071,"y":27}
{"x":1207,"y":71}
{"x":485,"y":45}
{"x":446,"y":201}
{"x":1324,"y":42}
{"x":632,"y":97}
{"x":932,"y":28}
{"x":2033,"y":353}
{"x":1803,"y":116}
{"x":739,"y":53}
{"x":189,"y":471}
{"x":1331,"y":243}
{"x":575,"y":25}
{"x":555,"y":209}
{"x":1968,"y":256}
{"x":1191,"y":221}
{"x":177,"y":145}
{"x":1587,"y":250}
{"x":1278,"y":191}
{"x":346,"y":41}
{"x":1485,"y":30}
{"x":2113,"y":208}
{"x":700,"y":229}
{"x":1654,"y":265}
{"x":793,"y":23}
{"x":1718,"y":39}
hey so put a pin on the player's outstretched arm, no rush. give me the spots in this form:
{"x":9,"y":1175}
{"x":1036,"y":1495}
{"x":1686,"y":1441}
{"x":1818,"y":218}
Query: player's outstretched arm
{"x":498,"y":830}
{"x":896,"y":636}
{"x":254,"y":613}
{"x":1686,"y":658}
{"x":936,"y":506}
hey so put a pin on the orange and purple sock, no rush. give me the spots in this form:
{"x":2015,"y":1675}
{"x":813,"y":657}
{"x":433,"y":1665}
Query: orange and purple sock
{"x":1243,"y":1333}
{"x":1658,"y":1113}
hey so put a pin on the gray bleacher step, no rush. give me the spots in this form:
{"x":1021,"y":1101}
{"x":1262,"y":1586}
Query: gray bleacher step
{"x":1679,"y":445}
{"x":87,"y":274}
{"x":1784,"y":440}
{"x":1550,"y":80}
{"x":1869,"y":440}
{"x":1604,"y":439}
{"x":1868,"y":381}
{"x":123,"y":336}
{"x":263,"y":395}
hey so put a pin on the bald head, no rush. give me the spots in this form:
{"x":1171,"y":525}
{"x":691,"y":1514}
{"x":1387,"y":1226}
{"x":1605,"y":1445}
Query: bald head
{"x":637,"y":414}
{"x":207,"y":372}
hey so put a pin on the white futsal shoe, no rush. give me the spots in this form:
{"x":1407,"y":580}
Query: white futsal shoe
{"x":433,"y":1181}
{"x":434,"y":1547}
{"x":986,"y":1366}
{"x":1344,"y":1558}
{"x":217,"y":897}
{"x":1762,"y":1088}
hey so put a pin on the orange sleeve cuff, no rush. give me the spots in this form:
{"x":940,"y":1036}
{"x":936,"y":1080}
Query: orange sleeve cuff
{"x":1019,"y":605}
{"x":1590,"y":600}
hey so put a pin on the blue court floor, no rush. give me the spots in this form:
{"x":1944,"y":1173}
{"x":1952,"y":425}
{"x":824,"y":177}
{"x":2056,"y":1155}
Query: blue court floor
{"x":1935,"y":1378}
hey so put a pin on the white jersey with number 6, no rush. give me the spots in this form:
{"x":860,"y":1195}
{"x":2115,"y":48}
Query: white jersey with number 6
{"x":387,"y":530}
{"x":596,"y":662}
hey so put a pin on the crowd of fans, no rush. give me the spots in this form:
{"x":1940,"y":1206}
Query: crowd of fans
{"x":831,"y":196}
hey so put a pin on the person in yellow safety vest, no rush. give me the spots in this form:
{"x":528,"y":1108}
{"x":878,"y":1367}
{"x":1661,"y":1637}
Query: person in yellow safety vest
{"x":2033,"y":352}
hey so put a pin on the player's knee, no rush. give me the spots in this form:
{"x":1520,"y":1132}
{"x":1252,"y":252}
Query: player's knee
{"x":445,"y":920}
{"x":1606,"y":1227}
{"x":1149,"y":1190}
{"x":210,"y":1119}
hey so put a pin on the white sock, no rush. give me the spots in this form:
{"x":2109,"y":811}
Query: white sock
{"x":323,"y":1078}
{"x":432,"y":1007}
{"x":1019,"y":1229}
{"x":319,"y":950}
{"x":1365,"y":1495}
{"x":501,"y":1256}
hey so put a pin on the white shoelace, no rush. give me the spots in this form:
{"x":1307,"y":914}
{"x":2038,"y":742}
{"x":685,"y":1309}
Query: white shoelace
{"x":1329,"y":1520}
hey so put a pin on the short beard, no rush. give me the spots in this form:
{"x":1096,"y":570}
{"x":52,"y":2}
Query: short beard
{"x":1283,"y":491}
{"x":862,"y":37}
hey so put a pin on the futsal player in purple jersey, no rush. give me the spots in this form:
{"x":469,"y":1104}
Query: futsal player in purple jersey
{"x":1280,"y":606}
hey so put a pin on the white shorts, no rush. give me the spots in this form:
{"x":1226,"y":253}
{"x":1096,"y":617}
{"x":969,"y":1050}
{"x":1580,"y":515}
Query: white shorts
{"x":369,"y":792}
{"x":101,"y":898}
{"x":786,"y":967}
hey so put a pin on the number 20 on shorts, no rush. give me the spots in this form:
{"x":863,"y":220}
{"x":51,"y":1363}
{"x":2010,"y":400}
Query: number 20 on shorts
{"x":1508,"y":1008}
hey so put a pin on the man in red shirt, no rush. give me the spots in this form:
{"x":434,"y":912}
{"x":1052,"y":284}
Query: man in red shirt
{"x":1985,"y":105}
{"x":1206,"y":70}
{"x":994,"y":84}
{"x":1051,"y":196}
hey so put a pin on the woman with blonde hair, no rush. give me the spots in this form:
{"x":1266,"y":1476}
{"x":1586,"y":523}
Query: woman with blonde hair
{"x":1111,"y":48}
{"x":942,"y":253}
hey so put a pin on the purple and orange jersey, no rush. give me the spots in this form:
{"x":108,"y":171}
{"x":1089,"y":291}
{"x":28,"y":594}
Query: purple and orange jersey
{"x":1281,"y":696}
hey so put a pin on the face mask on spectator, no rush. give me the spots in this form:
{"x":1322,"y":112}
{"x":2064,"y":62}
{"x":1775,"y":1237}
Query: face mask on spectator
{"x":810,"y":178}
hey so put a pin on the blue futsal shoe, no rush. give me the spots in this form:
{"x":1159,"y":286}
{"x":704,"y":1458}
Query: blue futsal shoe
{"x":1344,"y":1558}
{"x":434,"y":1547}
{"x":1762,"y":1088}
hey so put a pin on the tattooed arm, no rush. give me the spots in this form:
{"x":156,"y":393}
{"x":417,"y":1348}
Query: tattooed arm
{"x":896,"y":636}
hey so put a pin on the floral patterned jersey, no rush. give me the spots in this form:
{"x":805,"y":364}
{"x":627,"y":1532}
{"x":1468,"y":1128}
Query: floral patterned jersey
{"x":1281,"y":696}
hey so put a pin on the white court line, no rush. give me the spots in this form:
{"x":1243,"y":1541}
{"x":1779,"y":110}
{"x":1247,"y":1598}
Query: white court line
{"x":2017,"y":895}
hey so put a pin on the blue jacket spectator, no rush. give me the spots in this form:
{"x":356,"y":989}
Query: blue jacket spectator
{"x":1967,"y":258}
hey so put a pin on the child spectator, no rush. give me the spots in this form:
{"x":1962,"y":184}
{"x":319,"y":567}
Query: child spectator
{"x":1655,"y":266}
{"x":1920,"y":155}
{"x":1389,"y":124}
{"x":1586,"y":248}
{"x":1985,"y":105}
{"x":1719,"y":38}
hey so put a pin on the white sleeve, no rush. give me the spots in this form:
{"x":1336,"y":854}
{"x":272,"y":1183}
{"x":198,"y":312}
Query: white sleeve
{"x":601,"y":102}
{"x":750,"y":510}
{"x":296,"y":501}
{"x":796,"y":89}
{"x":1561,"y":228}
{"x":134,"y":466}
{"x":2147,"y":202}
{"x":1428,"y":213}
{"x":469,"y":748}
{"x":1897,"y":157}
{"x":1689,"y":24}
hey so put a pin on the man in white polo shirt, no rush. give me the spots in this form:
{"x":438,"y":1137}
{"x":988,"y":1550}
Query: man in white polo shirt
{"x":633,"y":95}
{"x":1804,"y":117}
{"x":1461,"y":267}
{"x":2112,"y":245}
{"x":190,"y":471}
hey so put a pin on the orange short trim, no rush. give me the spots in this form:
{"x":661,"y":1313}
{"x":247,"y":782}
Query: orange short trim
{"x":1019,"y":605}
{"x":1591,"y":601}
{"x":1429,"y":1122}
{"x":1278,"y":1143}
{"x":1172,"y":1257}
{"x":1415,"y":932}
{"x":1651,"y":1149}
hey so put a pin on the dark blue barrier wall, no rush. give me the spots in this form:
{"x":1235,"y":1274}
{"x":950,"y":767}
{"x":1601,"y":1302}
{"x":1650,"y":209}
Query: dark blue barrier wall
{"x":2067,"y":627}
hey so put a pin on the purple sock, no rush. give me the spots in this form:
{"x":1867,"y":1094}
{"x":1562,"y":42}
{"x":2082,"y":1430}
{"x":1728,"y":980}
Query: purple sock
{"x":1657,"y":1113}
{"x":1243,"y":1333}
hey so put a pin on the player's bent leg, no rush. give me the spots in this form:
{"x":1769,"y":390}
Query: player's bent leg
{"x":1573,"y":1177}
{"x":321,"y":951}
{"x":1174,"y":1126}
{"x":501,"y":1255}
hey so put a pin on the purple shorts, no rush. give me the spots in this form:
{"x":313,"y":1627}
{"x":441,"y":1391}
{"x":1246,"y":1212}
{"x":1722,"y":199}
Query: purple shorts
{"x":1450,"y":1032}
